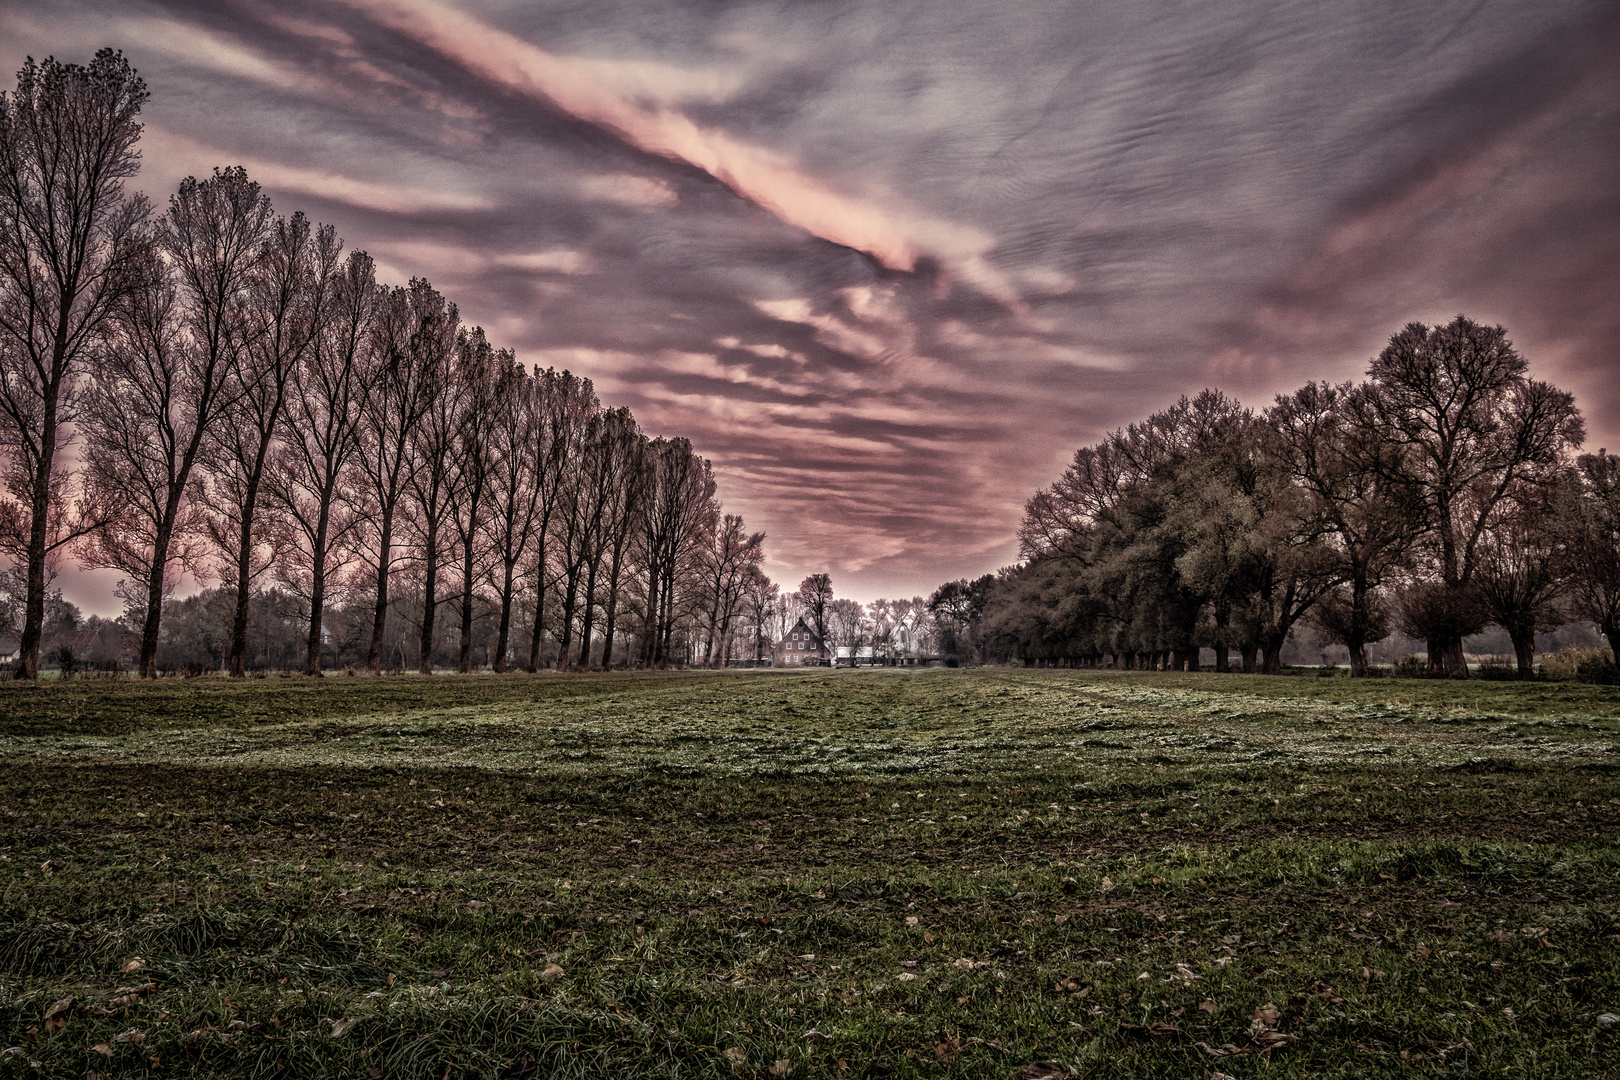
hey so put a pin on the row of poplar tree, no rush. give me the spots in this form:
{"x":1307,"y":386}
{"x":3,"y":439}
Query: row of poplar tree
{"x":244,"y":399}
{"x":1439,"y":496}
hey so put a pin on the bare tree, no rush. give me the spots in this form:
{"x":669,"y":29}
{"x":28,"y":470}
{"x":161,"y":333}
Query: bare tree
{"x":434,"y":473}
{"x":681,"y":507}
{"x":726,"y":560}
{"x":626,"y":505}
{"x":71,"y":247}
{"x":283,"y":310}
{"x":165,"y":381}
{"x":516,"y":425}
{"x":1330,"y":441}
{"x":477,"y":369}
{"x":1586,"y":528}
{"x":566,"y":403}
{"x":407,"y":336}
{"x":1472,"y":431}
{"x":816,"y":597}
{"x":761,"y":601}
{"x":1517,"y":576}
{"x":332,"y":385}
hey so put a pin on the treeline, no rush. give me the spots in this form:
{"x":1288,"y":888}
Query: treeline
{"x":1438,"y":497}
{"x":246,"y":401}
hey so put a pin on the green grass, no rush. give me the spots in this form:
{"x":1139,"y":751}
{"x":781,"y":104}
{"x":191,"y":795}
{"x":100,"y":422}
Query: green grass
{"x":943,"y":873}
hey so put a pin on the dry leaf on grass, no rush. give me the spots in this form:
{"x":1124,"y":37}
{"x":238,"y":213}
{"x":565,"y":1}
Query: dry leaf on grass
{"x":738,"y":1059}
{"x":551,"y":971}
{"x":341,"y":1027}
{"x":56,"y":1015}
{"x":782,"y":1067}
{"x":1042,"y":1070}
{"x":134,"y":963}
{"x":945,"y":1052}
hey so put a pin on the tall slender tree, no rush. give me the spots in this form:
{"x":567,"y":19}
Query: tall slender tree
{"x":409,"y":322}
{"x":332,"y":386}
{"x":283,"y":311}
{"x":72,"y":245}
{"x":166,"y":380}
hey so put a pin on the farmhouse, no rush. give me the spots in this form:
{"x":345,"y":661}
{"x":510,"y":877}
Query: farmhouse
{"x":801,"y":647}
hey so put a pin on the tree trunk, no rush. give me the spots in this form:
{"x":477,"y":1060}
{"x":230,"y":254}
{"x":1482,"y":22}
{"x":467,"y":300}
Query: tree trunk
{"x":430,"y":603}
{"x":1272,"y":650}
{"x":1249,"y":652}
{"x":503,"y":632}
{"x":465,"y":667}
{"x":244,"y":578}
{"x":565,"y":643}
{"x":588,"y":623}
{"x":379,"y":621}
{"x":33,"y":634}
{"x":1524,"y":652}
{"x":1358,"y":659}
{"x":154,"y":606}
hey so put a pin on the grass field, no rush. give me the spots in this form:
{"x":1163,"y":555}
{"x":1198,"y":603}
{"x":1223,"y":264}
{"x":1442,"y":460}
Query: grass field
{"x":941,"y":873}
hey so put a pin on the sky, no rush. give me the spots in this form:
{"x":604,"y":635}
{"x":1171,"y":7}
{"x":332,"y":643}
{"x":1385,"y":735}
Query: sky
{"x":888,"y":264}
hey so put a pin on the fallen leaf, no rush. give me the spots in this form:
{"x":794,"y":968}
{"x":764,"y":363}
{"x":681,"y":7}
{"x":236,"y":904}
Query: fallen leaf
{"x":133,"y":1036}
{"x":1266,"y":1016}
{"x":551,"y":972}
{"x":906,"y":976}
{"x":737,"y":1058}
{"x":1069,"y":885}
{"x":782,"y":1067}
{"x":1059,"y":920}
{"x":928,"y":937}
{"x":945,"y":1052}
{"x":341,"y":1027}
{"x":1107,"y":884}
{"x":134,"y":963}
{"x":964,"y":964}
{"x":911,"y":920}
{"x":1209,"y":1006}
{"x":56,"y":1015}
{"x":1042,"y":1070}
{"x":102,"y":1048}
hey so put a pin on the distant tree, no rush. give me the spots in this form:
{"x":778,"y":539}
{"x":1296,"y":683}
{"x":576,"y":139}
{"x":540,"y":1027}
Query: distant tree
{"x":681,"y":509}
{"x":761,"y":601}
{"x":1330,"y":441}
{"x":1517,"y":575}
{"x":728,"y":557}
{"x":1471,"y":433}
{"x":815,"y":599}
{"x":164,"y":381}
{"x":958,"y":608}
{"x":1585,"y":528}
{"x":566,"y":402}
{"x":71,"y":246}
{"x":846,"y":626}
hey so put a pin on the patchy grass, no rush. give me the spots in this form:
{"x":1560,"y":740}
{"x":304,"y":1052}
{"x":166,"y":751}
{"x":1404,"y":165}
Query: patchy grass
{"x":951,"y":873}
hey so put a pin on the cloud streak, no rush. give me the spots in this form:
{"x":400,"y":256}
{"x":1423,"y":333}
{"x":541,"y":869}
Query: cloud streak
{"x":888,"y":264}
